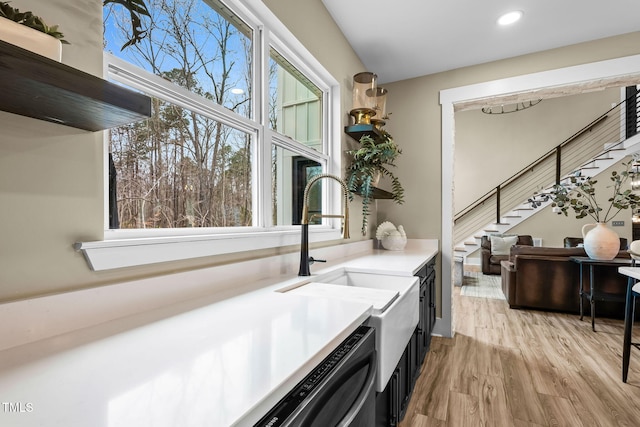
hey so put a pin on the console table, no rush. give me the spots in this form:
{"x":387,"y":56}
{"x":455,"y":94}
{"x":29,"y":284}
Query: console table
{"x":594,"y":294}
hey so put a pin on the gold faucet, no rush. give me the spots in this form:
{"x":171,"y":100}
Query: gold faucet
{"x":305,"y":260}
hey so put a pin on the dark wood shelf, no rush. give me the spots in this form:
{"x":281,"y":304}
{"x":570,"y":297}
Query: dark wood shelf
{"x":357,"y":131}
{"x":379,"y":193}
{"x":44,"y":89}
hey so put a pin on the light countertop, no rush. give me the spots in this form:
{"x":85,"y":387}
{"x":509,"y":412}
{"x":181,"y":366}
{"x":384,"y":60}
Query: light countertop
{"x":221,"y":364}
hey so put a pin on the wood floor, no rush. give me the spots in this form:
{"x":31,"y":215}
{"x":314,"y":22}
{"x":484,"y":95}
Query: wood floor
{"x":508,"y":367}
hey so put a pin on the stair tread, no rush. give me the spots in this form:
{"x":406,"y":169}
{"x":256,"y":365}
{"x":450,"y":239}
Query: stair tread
{"x":590,"y":168}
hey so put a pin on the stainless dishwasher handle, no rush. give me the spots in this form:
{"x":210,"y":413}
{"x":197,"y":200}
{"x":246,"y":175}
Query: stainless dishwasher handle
{"x":364,"y":393}
{"x":335,"y":383}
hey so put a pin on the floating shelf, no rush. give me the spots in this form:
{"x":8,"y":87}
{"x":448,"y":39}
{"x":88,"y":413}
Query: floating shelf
{"x":379,"y":193}
{"x":357,"y":131}
{"x":44,"y":89}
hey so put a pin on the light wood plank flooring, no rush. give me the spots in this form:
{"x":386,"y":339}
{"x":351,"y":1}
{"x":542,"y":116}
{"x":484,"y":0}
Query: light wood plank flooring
{"x":508,"y":367}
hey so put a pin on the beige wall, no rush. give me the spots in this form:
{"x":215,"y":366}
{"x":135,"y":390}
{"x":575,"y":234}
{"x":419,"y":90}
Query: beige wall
{"x":492,"y":148}
{"x":51,"y":177}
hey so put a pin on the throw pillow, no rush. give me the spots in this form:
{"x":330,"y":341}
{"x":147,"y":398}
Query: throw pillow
{"x":501,"y":245}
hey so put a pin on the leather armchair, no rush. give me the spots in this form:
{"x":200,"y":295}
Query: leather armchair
{"x":491,"y":263}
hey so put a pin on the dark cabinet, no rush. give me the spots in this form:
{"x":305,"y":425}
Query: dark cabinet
{"x":391,"y":404}
{"x":38,"y":87}
{"x":427,"y":275}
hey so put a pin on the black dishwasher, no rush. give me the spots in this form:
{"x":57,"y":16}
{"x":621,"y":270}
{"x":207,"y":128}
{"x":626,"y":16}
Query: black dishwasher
{"x":338,"y":392}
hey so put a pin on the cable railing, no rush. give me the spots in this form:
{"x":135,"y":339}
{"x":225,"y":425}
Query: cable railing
{"x":595,"y":140}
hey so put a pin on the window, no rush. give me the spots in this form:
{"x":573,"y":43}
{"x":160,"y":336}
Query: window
{"x":181,"y":169}
{"x":290,"y":174}
{"x":295,"y":103}
{"x":233,"y":137}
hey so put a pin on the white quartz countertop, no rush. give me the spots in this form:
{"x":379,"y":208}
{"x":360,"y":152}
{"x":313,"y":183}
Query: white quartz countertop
{"x":222,"y":364}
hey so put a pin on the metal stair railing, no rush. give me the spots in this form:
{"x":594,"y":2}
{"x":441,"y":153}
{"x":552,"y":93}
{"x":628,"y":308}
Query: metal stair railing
{"x":593,"y":141}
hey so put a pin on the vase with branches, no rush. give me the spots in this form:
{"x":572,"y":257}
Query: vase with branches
{"x":578,"y":194}
{"x":372,"y":159}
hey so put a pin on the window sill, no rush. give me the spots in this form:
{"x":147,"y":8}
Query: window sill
{"x":118,"y":252}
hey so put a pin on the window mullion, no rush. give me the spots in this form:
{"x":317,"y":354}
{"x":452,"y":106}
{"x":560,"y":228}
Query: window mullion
{"x":123,"y":72}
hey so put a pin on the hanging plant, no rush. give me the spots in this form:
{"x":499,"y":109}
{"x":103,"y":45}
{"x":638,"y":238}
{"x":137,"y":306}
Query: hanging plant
{"x":370,"y":160}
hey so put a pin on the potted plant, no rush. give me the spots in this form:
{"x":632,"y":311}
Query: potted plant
{"x":578,"y":194}
{"x":369,"y":162}
{"x":30,"y":32}
{"x":51,"y":48}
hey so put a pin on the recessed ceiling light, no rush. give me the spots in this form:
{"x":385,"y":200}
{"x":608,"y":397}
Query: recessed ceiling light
{"x":510,"y":17}
{"x":237,"y":91}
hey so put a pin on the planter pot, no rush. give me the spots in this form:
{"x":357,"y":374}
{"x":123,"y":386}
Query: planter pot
{"x":30,"y":39}
{"x":600,"y":241}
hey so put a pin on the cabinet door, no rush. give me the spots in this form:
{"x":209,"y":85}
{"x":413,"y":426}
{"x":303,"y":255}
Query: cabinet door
{"x":431,"y":283}
{"x":395,"y":397}
{"x":423,"y":324}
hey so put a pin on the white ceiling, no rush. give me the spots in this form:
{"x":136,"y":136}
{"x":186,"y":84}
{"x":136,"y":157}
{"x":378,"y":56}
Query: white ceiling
{"x":402,"y":39}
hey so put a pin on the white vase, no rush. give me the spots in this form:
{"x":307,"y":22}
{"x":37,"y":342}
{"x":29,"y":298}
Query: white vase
{"x":394,"y":242}
{"x":600,"y":241}
{"x":30,"y":39}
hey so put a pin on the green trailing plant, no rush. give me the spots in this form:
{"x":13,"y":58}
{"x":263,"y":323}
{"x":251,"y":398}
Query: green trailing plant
{"x":373,"y":158}
{"x":137,"y":9}
{"x":578,"y":194}
{"x":30,"y":20}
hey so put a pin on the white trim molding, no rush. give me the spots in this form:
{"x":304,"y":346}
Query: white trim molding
{"x":120,"y":253}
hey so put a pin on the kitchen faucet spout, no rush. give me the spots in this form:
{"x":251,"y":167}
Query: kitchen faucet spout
{"x":304,"y":239}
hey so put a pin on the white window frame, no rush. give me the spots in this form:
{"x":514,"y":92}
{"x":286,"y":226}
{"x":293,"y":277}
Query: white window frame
{"x":135,"y":247}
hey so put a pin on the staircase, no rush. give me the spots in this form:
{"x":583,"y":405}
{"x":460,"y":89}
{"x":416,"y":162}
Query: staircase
{"x":486,"y":216}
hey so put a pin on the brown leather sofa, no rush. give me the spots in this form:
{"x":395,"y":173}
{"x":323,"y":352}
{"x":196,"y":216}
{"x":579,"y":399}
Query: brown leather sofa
{"x":546,"y":279}
{"x":490,"y":262}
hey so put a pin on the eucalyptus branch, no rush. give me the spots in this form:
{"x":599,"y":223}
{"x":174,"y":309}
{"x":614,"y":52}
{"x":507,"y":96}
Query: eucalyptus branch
{"x":579,"y":195}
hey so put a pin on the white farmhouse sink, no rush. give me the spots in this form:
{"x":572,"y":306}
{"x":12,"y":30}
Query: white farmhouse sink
{"x":395,"y":309}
